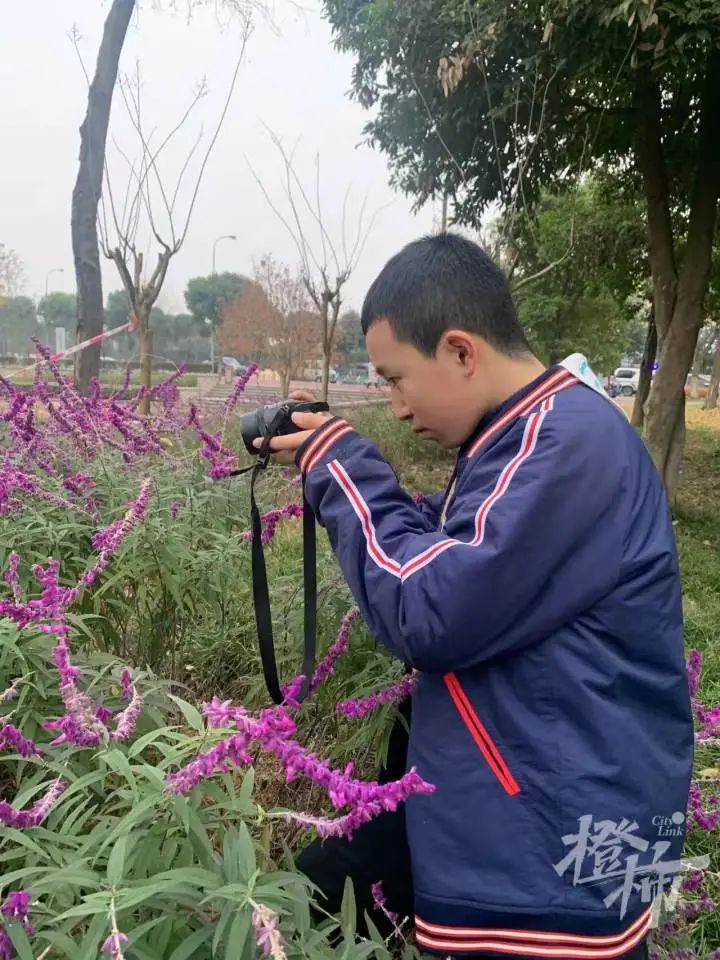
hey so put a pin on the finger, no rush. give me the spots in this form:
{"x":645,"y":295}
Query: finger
{"x":301,"y":395}
{"x":290,"y":441}
{"x":310,"y":421}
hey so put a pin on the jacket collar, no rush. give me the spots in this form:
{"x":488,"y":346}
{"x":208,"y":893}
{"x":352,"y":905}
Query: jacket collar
{"x":549,"y":382}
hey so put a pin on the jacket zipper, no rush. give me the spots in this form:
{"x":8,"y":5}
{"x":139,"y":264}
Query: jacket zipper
{"x":480,"y":735}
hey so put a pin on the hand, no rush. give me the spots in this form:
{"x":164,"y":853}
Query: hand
{"x":284,"y":447}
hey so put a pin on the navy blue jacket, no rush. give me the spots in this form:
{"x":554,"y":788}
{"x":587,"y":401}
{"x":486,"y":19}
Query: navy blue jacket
{"x":539,"y":599}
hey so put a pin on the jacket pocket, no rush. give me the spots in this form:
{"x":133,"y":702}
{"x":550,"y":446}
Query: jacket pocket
{"x":480,"y":735}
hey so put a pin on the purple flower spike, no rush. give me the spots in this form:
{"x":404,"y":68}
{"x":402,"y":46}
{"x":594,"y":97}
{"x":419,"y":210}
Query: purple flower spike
{"x":113,"y":945}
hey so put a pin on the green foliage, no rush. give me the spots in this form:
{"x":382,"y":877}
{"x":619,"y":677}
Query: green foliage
{"x":491,"y":102}
{"x":11,"y":272}
{"x":117,"y":308}
{"x":350,"y":340}
{"x":176,"y":337}
{"x":18,"y":322}
{"x":206,"y":297}
{"x":59,"y":310}
{"x":182,"y":874}
{"x":591,"y":241}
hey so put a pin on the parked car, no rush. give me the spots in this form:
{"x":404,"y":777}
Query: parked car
{"x":315,"y":373}
{"x":238,"y":369}
{"x":627,"y":380}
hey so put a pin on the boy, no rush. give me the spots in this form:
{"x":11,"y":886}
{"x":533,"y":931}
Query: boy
{"x":539,"y":600}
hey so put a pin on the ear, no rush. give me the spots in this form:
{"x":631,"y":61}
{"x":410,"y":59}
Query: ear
{"x":461,"y":348}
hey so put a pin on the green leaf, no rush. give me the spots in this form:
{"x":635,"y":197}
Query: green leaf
{"x":231,"y":856}
{"x":139,"y":745}
{"x":237,"y":935}
{"x":118,"y":762}
{"x":348,"y":913}
{"x":247,"y":862}
{"x":20,"y":941}
{"x":189,"y":946}
{"x":93,"y":937}
{"x":116,"y":860}
{"x":191,"y":713}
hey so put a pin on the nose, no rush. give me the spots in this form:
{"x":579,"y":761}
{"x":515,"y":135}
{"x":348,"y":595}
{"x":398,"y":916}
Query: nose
{"x":399,"y":407}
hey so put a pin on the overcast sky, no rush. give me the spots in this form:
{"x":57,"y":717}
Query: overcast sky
{"x":292,"y":79}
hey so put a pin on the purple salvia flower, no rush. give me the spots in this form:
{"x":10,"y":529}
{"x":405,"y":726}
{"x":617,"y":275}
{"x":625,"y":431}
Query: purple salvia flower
{"x":326,"y":667}
{"x":231,"y":750}
{"x":114,"y":944}
{"x":104,"y":715}
{"x":272,"y":731}
{"x":267,"y":935}
{"x":127,"y":719}
{"x":79,"y":483}
{"x":175,"y":508}
{"x":698,"y":815}
{"x":37,"y":813}
{"x":393,"y":693}
{"x":222,"y":460}
{"x":694,"y":671}
{"x":694,"y":881}
{"x":15,"y":908}
{"x":272,"y":518}
{"x":11,"y":692}
{"x":12,"y":739}
{"x":124,"y":385}
{"x":127,"y":687}
{"x":378,"y":896}
{"x":239,"y":388}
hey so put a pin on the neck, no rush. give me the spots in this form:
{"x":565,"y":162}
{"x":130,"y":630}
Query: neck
{"x":511,"y":374}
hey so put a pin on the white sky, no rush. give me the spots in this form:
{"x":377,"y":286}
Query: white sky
{"x":292,"y":80}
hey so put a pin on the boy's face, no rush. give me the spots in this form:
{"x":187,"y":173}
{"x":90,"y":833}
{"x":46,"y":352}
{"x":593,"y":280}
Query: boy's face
{"x":441,"y":397}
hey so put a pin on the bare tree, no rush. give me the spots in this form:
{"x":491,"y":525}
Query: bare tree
{"x":326,"y":265}
{"x":148,"y":214}
{"x":88,"y":188}
{"x":271,"y":320}
{"x":89,"y":182}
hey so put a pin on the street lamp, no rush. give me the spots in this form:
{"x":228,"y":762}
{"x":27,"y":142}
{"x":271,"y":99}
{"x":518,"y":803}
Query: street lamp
{"x":49,"y":274}
{"x":225,"y":236}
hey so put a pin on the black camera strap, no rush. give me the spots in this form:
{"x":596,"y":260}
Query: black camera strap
{"x":261,"y":595}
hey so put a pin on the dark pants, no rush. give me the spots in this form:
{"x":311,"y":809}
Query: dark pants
{"x":378,"y":852}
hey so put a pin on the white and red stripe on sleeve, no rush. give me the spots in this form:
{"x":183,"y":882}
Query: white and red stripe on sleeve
{"x":321,"y":442}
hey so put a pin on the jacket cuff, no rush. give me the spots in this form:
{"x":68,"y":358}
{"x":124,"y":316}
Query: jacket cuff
{"x":320,"y":443}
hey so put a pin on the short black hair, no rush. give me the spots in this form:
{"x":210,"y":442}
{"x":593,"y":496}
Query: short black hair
{"x":440,"y":283}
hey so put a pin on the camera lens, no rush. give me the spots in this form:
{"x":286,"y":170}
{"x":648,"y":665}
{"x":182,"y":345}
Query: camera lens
{"x":251,"y":427}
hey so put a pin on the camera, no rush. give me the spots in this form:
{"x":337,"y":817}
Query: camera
{"x":275,"y":420}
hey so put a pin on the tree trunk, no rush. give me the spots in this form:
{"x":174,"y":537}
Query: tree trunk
{"x":711,"y":401}
{"x":285,"y":377}
{"x":325,"y":383}
{"x":665,"y":428}
{"x":145,"y":337}
{"x":88,"y":188}
{"x":648,"y":360}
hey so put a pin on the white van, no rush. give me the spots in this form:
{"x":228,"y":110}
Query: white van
{"x":627,"y":380}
